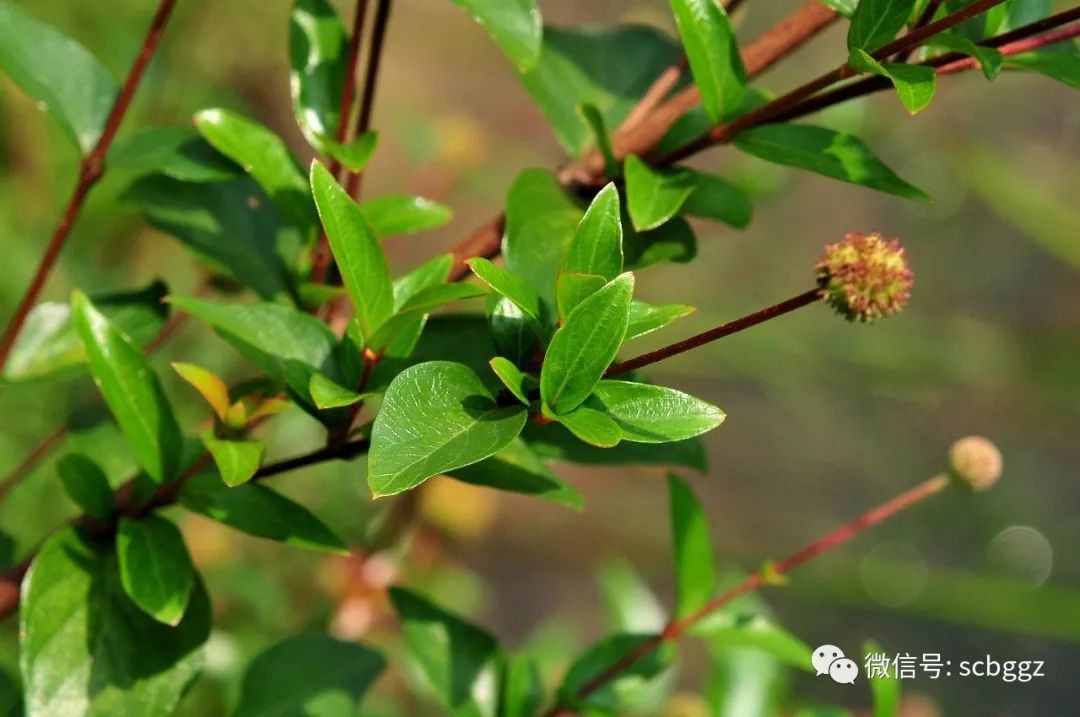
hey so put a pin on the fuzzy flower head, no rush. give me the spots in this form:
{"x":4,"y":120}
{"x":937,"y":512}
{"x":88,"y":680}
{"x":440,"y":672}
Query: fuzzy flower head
{"x":865,"y":276}
{"x":975,"y":463}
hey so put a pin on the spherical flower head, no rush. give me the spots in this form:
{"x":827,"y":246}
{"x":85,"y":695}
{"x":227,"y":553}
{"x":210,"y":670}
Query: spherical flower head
{"x":975,"y":463}
{"x":865,"y":276}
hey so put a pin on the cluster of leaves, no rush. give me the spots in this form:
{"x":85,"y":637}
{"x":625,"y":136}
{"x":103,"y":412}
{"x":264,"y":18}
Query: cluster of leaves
{"x":114,"y":612}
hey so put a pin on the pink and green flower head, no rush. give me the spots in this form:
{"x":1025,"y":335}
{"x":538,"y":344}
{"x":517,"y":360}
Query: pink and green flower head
{"x":865,"y":276}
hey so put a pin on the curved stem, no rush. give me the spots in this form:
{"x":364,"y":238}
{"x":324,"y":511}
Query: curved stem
{"x":371,"y":80}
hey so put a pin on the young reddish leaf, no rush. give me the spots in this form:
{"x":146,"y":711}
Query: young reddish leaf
{"x":209,"y":386}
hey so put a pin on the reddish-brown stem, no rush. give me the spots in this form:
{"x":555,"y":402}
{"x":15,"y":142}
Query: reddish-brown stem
{"x":90,"y":170}
{"x":371,"y":80}
{"x":1014,"y":48}
{"x":927,"y":16}
{"x":733,"y":327}
{"x":678,"y":627}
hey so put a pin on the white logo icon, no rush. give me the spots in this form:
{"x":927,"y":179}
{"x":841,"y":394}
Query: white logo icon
{"x":829,"y":660}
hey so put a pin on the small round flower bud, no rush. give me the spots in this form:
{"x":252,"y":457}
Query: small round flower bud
{"x":865,"y":276}
{"x":975,"y":463}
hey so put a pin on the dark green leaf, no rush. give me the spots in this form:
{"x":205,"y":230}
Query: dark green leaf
{"x":86,"y":484}
{"x":461,"y":661}
{"x":695,"y":563}
{"x":357,"y":252}
{"x":833,"y":154}
{"x":517,"y":469}
{"x":713,"y":53}
{"x":522,"y":688}
{"x":514,"y":334}
{"x":257,"y":510}
{"x":399,"y":214}
{"x":653,"y":196}
{"x":155,"y":568}
{"x":309,"y":676}
{"x":436,"y":417}
{"x":514,"y":24}
{"x":509,"y":285}
{"x":646,"y":318}
{"x":654,"y":414}
{"x":586,"y":345}
{"x":176,"y":152}
{"x":876,"y":22}
{"x":511,"y":377}
{"x":1061,"y":66}
{"x":886,"y":690}
{"x":59,"y":73}
{"x":715,"y":198}
{"x":131,"y":390}
{"x":236,"y":460}
{"x":603,"y":655}
{"x":592,"y":426}
{"x":318,"y":57}
{"x":914,"y":84}
{"x":673,"y":242}
{"x":86,"y":649}
{"x":554,"y":442}
{"x":48,"y":344}
{"x":266,"y":158}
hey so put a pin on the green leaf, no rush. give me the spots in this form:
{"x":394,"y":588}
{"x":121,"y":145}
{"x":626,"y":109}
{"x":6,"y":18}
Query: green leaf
{"x":592,"y":426}
{"x":418,"y":306}
{"x":259,"y":511}
{"x":318,"y":58}
{"x":433,"y":272}
{"x":914,"y":84}
{"x":585,"y":346}
{"x":646,"y":318}
{"x":823,"y":151}
{"x":176,"y":152}
{"x":509,"y":285}
{"x":653,"y":196}
{"x":461,"y":661}
{"x":357,"y":252}
{"x":285,"y":343}
{"x":86,"y":484}
{"x":654,"y":414}
{"x":554,"y":442}
{"x":209,"y":386}
{"x":595,"y":254}
{"x":399,"y":214}
{"x":608,"y":67}
{"x":511,"y":377}
{"x":695,"y":563}
{"x":48,"y":347}
{"x":603,"y":655}
{"x":355,"y":155}
{"x":436,"y":417}
{"x":513,"y":333}
{"x":87,"y":649}
{"x":876,"y":22}
{"x":759,"y":633}
{"x":629,"y":602}
{"x":713,"y":53}
{"x":327,"y":393}
{"x":595,"y":119}
{"x":131,"y":390}
{"x":990,"y":59}
{"x":886,"y":690}
{"x":309,"y":675}
{"x":155,"y":568}
{"x":572,"y":289}
{"x":267,"y":159}
{"x":236,"y":460}
{"x":844,"y":7}
{"x":672,"y":242}
{"x":522,"y":688}
{"x":517,"y":469}
{"x":69,"y":82}
{"x":515,"y":25}
{"x":541,"y":220}
{"x":715,"y":198}
{"x":1060,"y":66}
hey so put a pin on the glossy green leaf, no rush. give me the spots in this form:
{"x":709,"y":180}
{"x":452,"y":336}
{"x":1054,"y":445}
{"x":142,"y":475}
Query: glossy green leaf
{"x":309,"y":676}
{"x":823,"y":151}
{"x":287,"y":344}
{"x":176,"y":152}
{"x":674,"y":241}
{"x":990,"y":59}
{"x":511,"y":377}
{"x":876,"y":22}
{"x":48,"y":347}
{"x":87,"y":649}
{"x":517,"y":469}
{"x":585,"y":346}
{"x":86,"y":484}
{"x":433,"y":272}
{"x":355,"y":155}
{"x":716,"y":198}
{"x":603,"y":655}
{"x":236,"y":460}
{"x":695,"y":563}
{"x":509,"y":285}
{"x":259,"y":511}
{"x":653,"y":196}
{"x":654,"y":414}
{"x":608,"y":67}
{"x":713,"y":53}
{"x":885,"y":690}
{"x":131,"y":390}
{"x":436,"y":417}
{"x":541,"y":220}
{"x":595,"y":254}
{"x":230,"y":225}
{"x":327,"y":393}
{"x":554,"y":442}
{"x":266,"y":158}
{"x":68,"y":81}
{"x":522,"y":688}
{"x":357,"y":252}
{"x":914,"y":84}
{"x":155,"y":568}
{"x":209,"y":386}
{"x":514,"y":334}
{"x":419,"y":305}
{"x":572,"y":289}
{"x":594,"y":427}
{"x":1061,"y":66}
{"x":646,"y":318}
{"x":461,"y":661}
{"x":515,"y":25}
{"x":318,"y":60}
{"x":398,"y":214}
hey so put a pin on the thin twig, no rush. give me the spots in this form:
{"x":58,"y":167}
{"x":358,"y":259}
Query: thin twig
{"x":371,"y":81}
{"x":927,"y":16}
{"x":91,"y":168}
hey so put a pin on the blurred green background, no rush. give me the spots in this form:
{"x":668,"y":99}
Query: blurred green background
{"x":825,"y":419}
